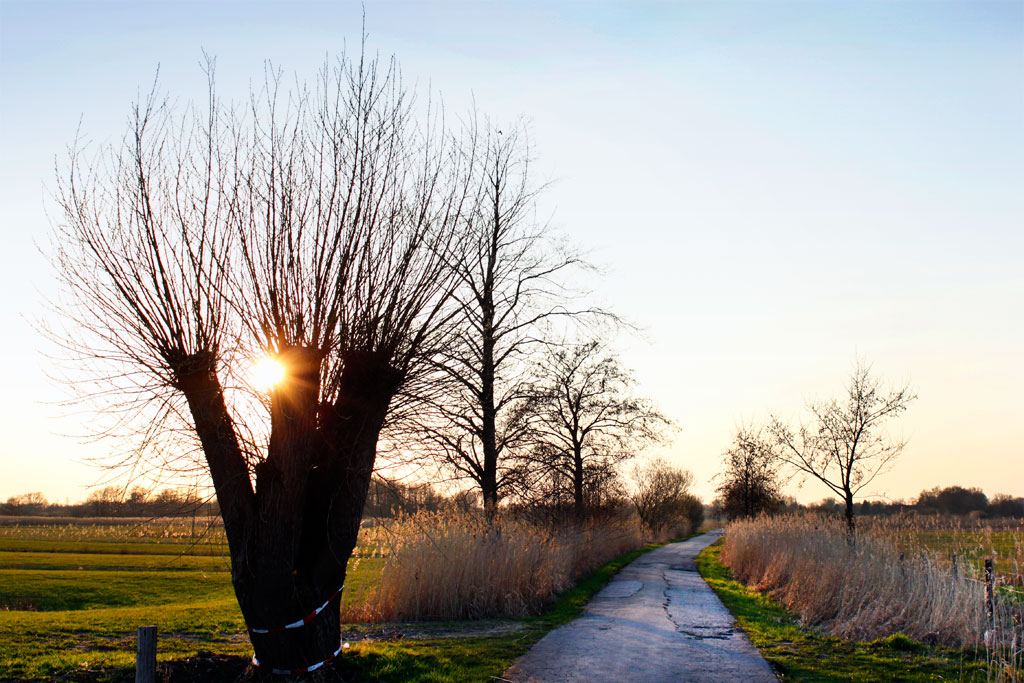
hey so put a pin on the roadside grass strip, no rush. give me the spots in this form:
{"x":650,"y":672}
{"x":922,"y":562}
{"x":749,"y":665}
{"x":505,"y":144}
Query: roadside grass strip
{"x":798,"y":653}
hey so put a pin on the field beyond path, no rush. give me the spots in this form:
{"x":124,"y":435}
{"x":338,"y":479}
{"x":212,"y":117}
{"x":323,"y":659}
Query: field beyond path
{"x":655,"y":621}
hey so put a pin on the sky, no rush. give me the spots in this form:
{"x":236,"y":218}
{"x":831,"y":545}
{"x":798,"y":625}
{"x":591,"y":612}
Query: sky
{"x":773,"y":190}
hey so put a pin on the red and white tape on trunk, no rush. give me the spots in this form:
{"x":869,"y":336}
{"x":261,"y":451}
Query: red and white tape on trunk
{"x":296,"y":624}
{"x":305,"y":670}
{"x":301,"y":622}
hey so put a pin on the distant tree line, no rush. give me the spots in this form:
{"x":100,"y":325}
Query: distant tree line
{"x":659,"y":494}
{"x":386,"y":498}
{"x":115,"y":501}
{"x":952,"y":500}
{"x":949,"y":500}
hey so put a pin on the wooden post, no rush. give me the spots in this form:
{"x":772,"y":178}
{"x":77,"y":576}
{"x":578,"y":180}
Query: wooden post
{"x":956,"y":571}
{"x":990,"y":588}
{"x":145,"y":655}
{"x":903,"y":569}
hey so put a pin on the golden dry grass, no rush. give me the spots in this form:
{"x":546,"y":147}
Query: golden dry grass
{"x":448,"y":566}
{"x":864,"y":592}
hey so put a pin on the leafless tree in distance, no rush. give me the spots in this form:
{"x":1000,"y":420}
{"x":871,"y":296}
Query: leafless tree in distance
{"x":843,"y":446}
{"x":511,"y":276}
{"x":587,"y":419}
{"x":662,"y":496}
{"x":314,"y":227}
{"x":750,"y":481}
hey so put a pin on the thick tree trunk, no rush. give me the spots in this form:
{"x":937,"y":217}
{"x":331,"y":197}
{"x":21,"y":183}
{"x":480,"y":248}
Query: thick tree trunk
{"x":297,"y":649}
{"x":292,"y":537}
{"x":196,"y":378}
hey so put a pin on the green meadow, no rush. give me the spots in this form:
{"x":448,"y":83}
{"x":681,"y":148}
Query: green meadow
{"x":72,"y":596}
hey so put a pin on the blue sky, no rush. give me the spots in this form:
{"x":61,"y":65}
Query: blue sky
{"x":773,"y":190}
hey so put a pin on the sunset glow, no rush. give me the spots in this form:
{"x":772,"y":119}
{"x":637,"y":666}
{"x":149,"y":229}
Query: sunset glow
{"x":266,"y":373}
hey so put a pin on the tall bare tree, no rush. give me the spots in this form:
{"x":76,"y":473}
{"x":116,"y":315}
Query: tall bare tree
{"x":843,"y":447}
{"x":315,"y":227}
{"x":511,"y":281}
{"x":586,"y":419}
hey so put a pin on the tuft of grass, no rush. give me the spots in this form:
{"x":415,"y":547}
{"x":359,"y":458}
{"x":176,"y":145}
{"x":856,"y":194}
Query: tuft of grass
{"x":899,"y":642}
{"x":798,"y":653}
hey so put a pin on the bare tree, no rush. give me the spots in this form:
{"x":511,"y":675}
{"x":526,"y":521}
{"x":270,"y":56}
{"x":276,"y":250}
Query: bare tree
{"x":510,"y":282}
{"x":587,"y":420}
{"x":843,"y":447}
{"x":314,"y":227}
{"x":662,"y":496}
{"x":750,"y":482}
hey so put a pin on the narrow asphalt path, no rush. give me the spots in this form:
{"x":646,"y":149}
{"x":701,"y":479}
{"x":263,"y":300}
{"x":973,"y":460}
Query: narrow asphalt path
{"x":655,"y":621}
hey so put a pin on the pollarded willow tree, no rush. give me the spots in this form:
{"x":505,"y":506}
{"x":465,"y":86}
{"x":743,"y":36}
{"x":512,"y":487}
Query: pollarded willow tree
{"x":314,"y":227}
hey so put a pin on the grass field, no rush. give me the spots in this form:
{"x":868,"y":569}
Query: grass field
{"x":73,"y":595}
{"x":942,"y":537}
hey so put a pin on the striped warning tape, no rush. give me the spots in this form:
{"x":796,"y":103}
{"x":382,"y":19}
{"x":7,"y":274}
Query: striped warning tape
{"x":301,"y":622}
{"x":304,"y":670}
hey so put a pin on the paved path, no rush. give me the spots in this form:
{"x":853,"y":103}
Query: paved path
{"x":655,"y":621}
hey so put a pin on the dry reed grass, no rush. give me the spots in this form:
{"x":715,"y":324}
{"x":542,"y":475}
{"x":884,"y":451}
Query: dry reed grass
{"x":865,"y":592}
{"x":448,"y":566}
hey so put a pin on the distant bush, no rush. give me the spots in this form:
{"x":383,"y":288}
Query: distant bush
{"x":663,"y":501}
{"x":952,"y":500}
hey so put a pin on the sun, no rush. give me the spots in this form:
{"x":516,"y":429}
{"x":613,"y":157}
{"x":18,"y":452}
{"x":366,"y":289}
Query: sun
{"x":267,"y":373}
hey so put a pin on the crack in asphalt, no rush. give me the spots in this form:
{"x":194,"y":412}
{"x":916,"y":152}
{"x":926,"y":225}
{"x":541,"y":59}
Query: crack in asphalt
{"x":694,"y":633}
{"x":668,"y":601}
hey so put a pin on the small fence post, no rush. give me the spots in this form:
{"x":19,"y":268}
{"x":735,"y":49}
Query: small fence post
{"x":990,"y":588}
{"x":956,"y":571}
{"x":145,"y":655}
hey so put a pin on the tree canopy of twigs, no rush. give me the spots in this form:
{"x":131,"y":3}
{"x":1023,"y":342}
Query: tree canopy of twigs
{"x":511,"y":275}
{"x":843,"y":446}
{"x":586,"y":420}
{"x":662,"y":496}
{"x":315,"y":226}
{"x":750,"y":481}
